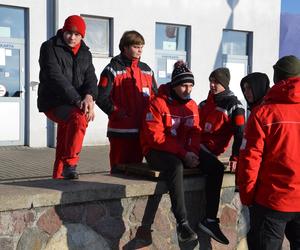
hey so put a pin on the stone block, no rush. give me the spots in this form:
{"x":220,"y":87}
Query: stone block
{"x":94,"y":213}
{"x":236,"y":202}
{"x":139,"y":210}
{"x":162,"y":224}
{"x":6,"y":243}
{"x":49,"y":221}
{"x":227,"y":195}
{"x":243,"y":223}
{"x":33,"y":239}
{"x":228,"y":217}
{"x":21,"y":219}
{"x":115,"y":208}
{"x":6,"y":224}
{"x":71,"y":214}
{"x":242,"y":245}
{"x":76,"y":236}
{"x":111,"y":228}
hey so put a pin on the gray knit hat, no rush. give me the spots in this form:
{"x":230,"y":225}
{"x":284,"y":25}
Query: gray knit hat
{"x":222,"y":76}
{"x":181,"y":74}
{"x":285,"y":67}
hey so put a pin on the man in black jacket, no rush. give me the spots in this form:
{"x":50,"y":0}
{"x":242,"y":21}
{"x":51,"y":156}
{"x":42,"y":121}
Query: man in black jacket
{"x":67,"y":90}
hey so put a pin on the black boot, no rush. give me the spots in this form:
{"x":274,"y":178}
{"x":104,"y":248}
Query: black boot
{"x":69,"y":172}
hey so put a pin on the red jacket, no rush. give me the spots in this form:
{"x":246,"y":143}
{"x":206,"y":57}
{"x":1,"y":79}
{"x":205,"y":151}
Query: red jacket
{"x":124,"y":91}
{"x":171,"y":126}
{"x":222,"y":116}
{"x":269,"y":172}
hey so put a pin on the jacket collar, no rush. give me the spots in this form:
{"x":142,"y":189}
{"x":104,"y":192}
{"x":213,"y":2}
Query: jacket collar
{"x":59,"y":41}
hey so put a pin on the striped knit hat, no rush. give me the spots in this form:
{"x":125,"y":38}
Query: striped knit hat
{"x":181,"y":74}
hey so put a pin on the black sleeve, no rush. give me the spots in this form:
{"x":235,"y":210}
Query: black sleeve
{"x":237,"y":140}
{"x":154,"y":85}
{"x":105,"y":86}
{"x":90,"y":80}
{"x":238,"y":122}
{"x":55,"y":80}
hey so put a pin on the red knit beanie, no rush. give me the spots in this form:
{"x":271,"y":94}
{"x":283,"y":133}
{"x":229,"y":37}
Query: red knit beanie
{"x":75,"y":24}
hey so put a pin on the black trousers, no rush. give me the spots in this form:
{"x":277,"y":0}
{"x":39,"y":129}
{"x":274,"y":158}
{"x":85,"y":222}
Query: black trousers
{"x":214,"y":171}
{"x":173,"y":172}
{"x":268,"y":227}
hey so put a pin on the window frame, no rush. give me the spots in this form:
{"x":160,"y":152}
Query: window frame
{"x":109,"y":52}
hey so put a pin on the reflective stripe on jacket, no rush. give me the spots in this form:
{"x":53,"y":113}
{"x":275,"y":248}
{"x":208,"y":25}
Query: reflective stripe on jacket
{"x":124,"y":91}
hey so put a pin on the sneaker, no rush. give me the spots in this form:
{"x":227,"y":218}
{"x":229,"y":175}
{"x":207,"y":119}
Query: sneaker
{"x":212,"y":228}
{"x":69,"y":172}
{"x":185,"y":233}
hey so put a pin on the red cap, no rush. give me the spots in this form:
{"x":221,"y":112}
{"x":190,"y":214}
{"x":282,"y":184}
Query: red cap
{"x":75,"y":24}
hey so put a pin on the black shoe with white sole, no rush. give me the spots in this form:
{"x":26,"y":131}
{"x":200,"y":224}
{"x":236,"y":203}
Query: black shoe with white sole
{"x":185,"y":233}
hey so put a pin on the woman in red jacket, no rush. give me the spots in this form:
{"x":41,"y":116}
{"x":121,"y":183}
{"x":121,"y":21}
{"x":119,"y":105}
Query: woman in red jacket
{"x":170,"y":139}
{"x":270,"y":165}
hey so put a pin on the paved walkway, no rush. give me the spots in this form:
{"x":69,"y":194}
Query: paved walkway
{"x":19,"y":163}
{"x":25,"y":163}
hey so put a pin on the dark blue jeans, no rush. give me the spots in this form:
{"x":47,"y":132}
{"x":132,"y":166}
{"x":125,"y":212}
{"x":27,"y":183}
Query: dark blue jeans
{"x":268,"y":227}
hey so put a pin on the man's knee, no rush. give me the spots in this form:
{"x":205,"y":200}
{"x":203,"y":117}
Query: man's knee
{"x":79,"y":118}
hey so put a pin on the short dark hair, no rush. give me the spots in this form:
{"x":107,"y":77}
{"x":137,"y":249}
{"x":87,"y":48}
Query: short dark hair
{"x":129,"y":38}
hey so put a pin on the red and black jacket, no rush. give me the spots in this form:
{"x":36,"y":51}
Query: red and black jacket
{"x":124,"y":91}
{"x":222,"y":116}
{"x":171,"y":126}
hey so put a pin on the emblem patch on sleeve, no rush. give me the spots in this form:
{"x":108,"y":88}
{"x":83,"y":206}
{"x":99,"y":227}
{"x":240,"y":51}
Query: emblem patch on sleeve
{"x":146,"y":91}
{"x":207,"y":127}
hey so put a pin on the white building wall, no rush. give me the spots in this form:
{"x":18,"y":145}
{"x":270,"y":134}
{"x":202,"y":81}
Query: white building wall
{"x":207,"y":19}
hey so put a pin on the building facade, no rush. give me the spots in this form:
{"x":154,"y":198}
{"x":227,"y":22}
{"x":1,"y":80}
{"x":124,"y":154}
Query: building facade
{"x":240,"y":34}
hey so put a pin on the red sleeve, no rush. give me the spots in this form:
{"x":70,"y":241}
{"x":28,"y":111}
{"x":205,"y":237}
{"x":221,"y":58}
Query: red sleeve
{"x":153,"y":131}
{"x":250,"y":159}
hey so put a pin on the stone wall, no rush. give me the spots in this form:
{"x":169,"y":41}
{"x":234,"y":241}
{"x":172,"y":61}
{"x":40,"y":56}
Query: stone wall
{"x":118,"y":223}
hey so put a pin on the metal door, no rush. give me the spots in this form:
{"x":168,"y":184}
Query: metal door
{"x":12,"y":96}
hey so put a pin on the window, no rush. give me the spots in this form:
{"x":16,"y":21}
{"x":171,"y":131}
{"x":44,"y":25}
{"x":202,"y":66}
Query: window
{"x":170,"y":37}
{"x":12,"y":22}
{"x":172,"y":43}
{"x":237,"y":56}
{"x":235,"y":42}
{"x":98,"y":35}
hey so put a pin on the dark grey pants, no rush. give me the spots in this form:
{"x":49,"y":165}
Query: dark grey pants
{"x":268,"y":227}
{"x":173,"y":174}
